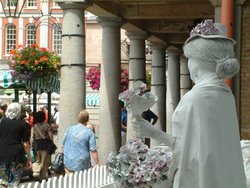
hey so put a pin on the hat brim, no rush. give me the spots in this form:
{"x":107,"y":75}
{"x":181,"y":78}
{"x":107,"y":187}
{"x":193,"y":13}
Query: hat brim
{"x":210,"y":37}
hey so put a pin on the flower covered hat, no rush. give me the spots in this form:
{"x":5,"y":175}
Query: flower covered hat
{"x":210,"y":30}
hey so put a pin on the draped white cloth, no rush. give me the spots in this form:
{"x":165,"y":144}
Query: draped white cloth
{"x":245,"y":146}
{"x":207,"y":151}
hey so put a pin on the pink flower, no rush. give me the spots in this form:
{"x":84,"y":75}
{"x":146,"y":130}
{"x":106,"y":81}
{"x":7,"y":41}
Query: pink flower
{"x":94,"y":77}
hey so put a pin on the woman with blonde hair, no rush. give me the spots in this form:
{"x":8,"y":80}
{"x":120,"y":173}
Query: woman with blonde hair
{"x":78,"y":158}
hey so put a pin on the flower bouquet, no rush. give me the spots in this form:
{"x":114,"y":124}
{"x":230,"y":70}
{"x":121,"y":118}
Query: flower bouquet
{"x":138,"y":166}
{"x":33,"y":62}
{"x":136,"y":100}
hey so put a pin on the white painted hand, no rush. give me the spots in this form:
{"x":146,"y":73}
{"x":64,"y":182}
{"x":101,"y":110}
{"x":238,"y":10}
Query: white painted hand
{"x":143,"y":128}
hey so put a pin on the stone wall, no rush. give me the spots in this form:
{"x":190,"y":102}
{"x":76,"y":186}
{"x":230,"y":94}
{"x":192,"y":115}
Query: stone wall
{"x":245,"y":73}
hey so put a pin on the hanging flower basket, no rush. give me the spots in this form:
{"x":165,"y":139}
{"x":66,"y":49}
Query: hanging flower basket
{"x":35,"y":66}
{"x":94,"y":77}
{"x":33,"y":62}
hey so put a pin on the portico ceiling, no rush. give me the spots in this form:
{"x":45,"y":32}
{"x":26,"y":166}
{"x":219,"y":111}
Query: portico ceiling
{"x":169,"y":21}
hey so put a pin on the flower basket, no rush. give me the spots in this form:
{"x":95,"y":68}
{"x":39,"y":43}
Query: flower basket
{"x":136,"y":165}
{"x":94,"y":77}
{"x":33,"y":62}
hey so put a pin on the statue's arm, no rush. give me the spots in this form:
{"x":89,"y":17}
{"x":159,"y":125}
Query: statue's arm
{"x":143,"y":128}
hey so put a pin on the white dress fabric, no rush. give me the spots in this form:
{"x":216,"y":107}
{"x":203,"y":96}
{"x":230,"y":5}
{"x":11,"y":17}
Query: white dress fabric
{"x":245,"y":146}
{"x":207,"y":151}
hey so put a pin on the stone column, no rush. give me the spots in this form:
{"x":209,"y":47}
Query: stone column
{"x":72,"y":86}
{"x":158,"y":85}
{"x":137,"y":66}
{"x":185,"y":81}
{"x":110,"y":111}
{"x":173,"y":84}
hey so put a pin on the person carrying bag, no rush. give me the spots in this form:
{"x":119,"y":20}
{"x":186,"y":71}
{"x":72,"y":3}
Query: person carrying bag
{"x":42,"y":142}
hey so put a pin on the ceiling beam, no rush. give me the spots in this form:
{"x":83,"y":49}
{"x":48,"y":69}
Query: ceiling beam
{"x":174,"y":11}
{"x":165,"y":26}
{"x":173,"y":38}
{"x":171,"y":11}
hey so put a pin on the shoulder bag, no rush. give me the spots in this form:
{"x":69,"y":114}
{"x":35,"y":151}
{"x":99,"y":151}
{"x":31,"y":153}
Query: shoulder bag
{"x":57,"y":165}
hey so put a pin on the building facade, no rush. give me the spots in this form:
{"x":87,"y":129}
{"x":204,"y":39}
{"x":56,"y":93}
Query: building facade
{"x":41,"y":23}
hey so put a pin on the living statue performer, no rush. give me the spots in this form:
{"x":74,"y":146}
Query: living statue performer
{"x":205,"y":138}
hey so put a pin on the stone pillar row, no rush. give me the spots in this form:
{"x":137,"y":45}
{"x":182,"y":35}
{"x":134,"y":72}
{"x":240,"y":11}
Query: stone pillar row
{"x":73,"y":90}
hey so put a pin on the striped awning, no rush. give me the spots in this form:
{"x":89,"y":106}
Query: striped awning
{"x":39,"y":84}
{"x":44,"y":85}
{"x":93,"y":99}
{"x":6,"y":78}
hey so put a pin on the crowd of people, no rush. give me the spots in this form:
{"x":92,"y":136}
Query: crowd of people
{"x":25,"y":137}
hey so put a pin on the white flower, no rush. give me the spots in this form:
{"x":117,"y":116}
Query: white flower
{"x":138,"y":166}
{"x":136,"y":100}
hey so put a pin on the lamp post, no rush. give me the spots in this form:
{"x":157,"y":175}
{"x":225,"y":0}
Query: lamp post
{"x":12,"y":8}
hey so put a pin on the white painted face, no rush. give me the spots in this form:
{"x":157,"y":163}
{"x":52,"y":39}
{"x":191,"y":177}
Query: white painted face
{"x":193,"y":66}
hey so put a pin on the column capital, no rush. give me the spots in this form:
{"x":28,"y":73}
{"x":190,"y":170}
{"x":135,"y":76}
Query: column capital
{"x":183,"y":56}
{"x":76,"y":4}
{"x":173,"y":51}
{"x":158,"y":45}
{"x":137,"y":35}
{"x":217,"y":3}
{"x":110,"y":21}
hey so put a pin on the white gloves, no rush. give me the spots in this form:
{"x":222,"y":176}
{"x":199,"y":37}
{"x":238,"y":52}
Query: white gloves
{"x":143,"y":128}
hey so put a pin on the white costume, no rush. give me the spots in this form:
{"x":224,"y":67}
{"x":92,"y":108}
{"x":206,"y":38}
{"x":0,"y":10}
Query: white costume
{"x":207,"y":151}
{"x":207,"y":147}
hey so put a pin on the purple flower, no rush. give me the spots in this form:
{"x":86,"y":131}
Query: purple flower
{"x":205,"y":28}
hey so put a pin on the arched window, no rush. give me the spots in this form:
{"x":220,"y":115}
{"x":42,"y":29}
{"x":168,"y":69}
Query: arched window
{"x":30,"y":34}
{"x":10,"y":38}
{"x":57,"y":38}
{"x":31,"y":3}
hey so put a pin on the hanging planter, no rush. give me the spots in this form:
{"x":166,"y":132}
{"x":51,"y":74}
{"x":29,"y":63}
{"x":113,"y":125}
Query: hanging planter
{"x":36,"y":67}
{"x":94,"y":77}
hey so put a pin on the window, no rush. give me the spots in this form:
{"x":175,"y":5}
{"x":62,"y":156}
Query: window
{"x":30,"y":35}
{"x":57,"y":38}
{"x":31,"y":3}
{"x":55,"y":4}
{"x":10,"y":38}
{"x":11,"y":3}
